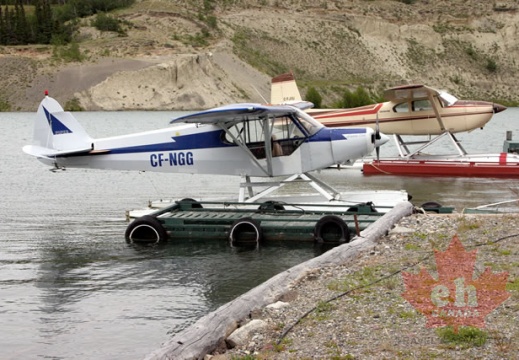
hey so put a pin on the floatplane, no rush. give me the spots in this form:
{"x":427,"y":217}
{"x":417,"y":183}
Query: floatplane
{"x":415,"y":110}
{"x":247,"y":140}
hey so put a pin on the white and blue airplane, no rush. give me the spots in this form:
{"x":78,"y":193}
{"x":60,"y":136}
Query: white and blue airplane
{"x":242,"y":139}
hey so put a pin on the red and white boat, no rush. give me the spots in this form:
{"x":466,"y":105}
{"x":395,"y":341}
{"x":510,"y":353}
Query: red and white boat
{"x":481,"y":165}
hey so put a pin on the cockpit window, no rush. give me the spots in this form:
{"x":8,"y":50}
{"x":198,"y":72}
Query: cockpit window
{"x":402,"y":107}
{"x":421,"y":105}
{"x":246,"y":131}
{"x":287,"y":133}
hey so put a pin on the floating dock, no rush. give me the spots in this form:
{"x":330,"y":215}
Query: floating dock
{"x":253,"y":223}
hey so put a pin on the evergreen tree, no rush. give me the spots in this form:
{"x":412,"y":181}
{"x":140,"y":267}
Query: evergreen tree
{"x":48,"y":24}
{"x":22,"y":28}
{"x":2,"y":27}
{"x":44,"y":22}
{"x":10,"y":38}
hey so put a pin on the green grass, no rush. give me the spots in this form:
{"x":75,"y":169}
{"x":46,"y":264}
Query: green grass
{"x":4,"y":105}
{"x":323,"y":310}
{"x":360,"y":279}
{"x":466,"y":337}
{"x":246,"y":357}
{"x":411,"y":247}
{"x":512,"y":285}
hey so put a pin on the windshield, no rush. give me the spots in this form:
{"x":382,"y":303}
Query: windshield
{"x":447,"y":99}
{"x":311,"y":125}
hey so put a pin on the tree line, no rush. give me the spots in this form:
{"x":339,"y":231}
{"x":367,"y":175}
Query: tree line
{"x":25,"y":22}
{"x":349,"y":99}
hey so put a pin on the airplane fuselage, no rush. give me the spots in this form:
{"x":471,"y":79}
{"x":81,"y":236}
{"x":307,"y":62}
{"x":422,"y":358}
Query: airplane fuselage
{"x":203,"y":149}
{"x":406,"y":119}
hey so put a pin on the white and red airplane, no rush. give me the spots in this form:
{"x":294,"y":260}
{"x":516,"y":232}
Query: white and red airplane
{"x":409,"y":110}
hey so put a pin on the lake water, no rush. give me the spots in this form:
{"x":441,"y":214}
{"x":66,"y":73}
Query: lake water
{"x":72,"y":288}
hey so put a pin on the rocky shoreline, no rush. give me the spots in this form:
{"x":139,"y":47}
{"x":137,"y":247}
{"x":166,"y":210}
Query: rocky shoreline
{"x":358,"y":311}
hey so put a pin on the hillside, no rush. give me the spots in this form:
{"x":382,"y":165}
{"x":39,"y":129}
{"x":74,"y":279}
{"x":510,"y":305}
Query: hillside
{"x":200,"y":54}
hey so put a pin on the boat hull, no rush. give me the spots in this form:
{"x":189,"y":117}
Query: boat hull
{"x":491,"y":165}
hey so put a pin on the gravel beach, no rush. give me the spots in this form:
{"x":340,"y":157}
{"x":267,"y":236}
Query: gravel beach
{"x":358,"y":311}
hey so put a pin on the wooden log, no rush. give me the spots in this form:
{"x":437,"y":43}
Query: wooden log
{"x":209,"y":331}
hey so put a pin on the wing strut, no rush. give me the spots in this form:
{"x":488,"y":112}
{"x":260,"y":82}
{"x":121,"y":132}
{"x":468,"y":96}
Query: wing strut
{"x":267,"y":130}
{"x":436,"y":111}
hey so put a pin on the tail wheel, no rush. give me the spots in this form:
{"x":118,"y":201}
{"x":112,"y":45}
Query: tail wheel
{"x":245,"y":231}
{"x":331,"y":229}
{"x":146,"y":229}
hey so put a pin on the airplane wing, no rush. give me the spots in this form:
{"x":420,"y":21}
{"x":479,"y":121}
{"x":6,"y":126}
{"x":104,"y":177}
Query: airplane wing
{"x":410,"y":92}
{"x":236,"y":112}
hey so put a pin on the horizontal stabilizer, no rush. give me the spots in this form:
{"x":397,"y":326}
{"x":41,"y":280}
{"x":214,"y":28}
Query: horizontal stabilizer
{"x":301,"y":105}
{"x":40,"y":151}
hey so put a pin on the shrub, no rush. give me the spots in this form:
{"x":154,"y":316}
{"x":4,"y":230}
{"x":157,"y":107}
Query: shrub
{"x":354,"y":99}
{"x":73,"y":105}
{"x":314,"y":97}
{"x":491,"y":65}
{"x":4,"y":105}
{"x":69,"y":53}
{"x":104,"y":22}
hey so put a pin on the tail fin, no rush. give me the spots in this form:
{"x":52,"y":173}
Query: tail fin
{"x":56,"y":132}
{"x":284,"y":90}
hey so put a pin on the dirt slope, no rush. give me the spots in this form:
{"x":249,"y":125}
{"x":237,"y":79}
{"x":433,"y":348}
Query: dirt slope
{"x":182,"y":55}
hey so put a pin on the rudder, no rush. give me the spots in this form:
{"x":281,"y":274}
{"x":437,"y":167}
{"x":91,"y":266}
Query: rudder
{"x":57,"y":130}
{"x":284,"y":90}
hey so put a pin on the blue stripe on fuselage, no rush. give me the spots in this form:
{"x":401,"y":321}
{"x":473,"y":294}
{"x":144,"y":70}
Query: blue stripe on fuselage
{"x":213,"y":139}
{"x":327,"y":134}
{"x":206,"y":140}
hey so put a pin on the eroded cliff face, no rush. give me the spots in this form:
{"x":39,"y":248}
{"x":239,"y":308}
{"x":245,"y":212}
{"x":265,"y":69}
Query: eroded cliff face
{"x":184,"y":82}
{"x":472,"y":53}
{"x":469,"y":48}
